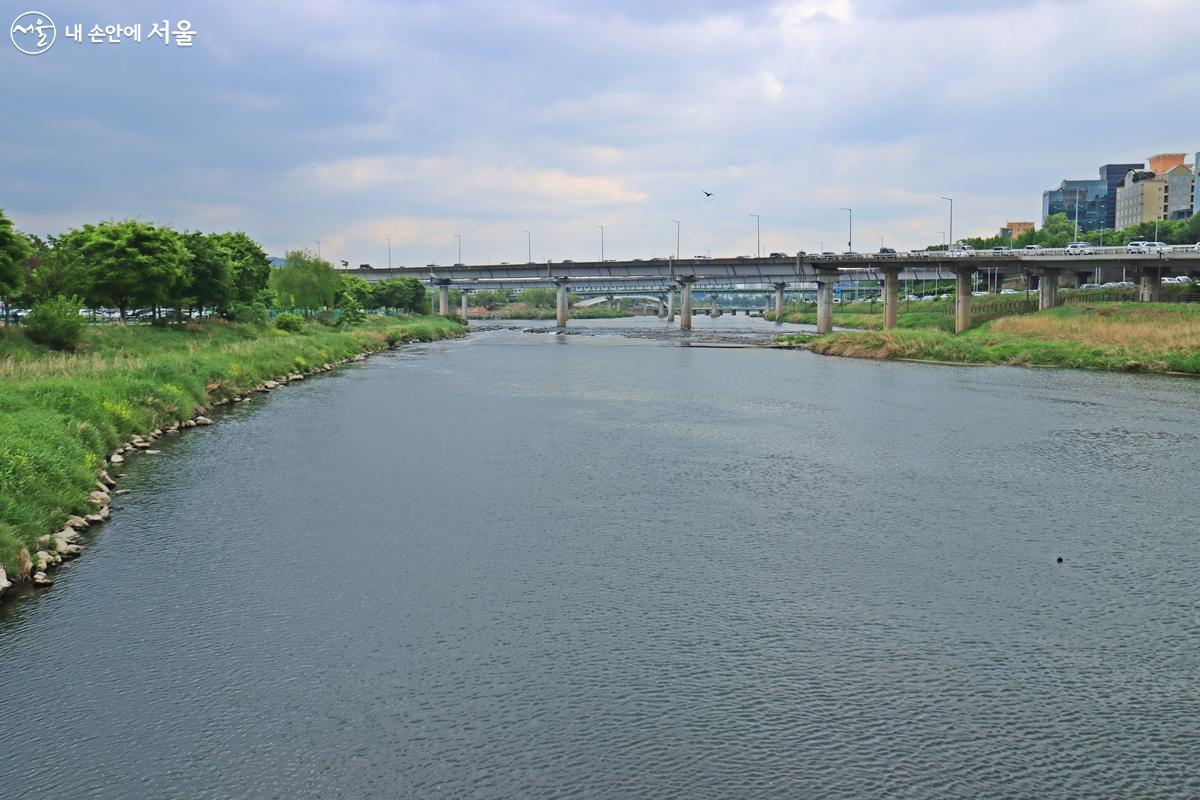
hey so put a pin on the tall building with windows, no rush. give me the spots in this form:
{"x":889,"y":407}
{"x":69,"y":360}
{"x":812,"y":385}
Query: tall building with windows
{"x":1146,"y":196}
{"x":1096,"y":199}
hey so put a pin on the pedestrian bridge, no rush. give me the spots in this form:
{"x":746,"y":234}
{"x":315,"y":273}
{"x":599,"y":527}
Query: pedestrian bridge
{"x":802,"y":272}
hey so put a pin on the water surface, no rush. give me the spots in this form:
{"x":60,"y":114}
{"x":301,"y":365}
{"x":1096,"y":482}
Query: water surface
{"x":605,"y":565}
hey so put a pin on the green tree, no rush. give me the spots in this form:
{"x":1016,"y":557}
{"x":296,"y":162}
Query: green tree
{"x":133,"y":263}
{"x":352,"y":287}
{"x":56,"y":269}
{"x":14,"y":252}
{"x":407,"y":294}
{"x":305,"y":281}
{"x":208,"y":280}
{"x":250,"y":265}
{"x":538,"y":298}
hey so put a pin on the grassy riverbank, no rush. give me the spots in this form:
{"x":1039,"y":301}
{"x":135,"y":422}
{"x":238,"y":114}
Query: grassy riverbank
{"x":916,"y":314}
{"x":60,"y":414}
{"x":1139,"y":337}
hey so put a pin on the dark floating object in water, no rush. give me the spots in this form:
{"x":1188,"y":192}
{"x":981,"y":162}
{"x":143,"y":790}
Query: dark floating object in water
{"x":1060,"y":559}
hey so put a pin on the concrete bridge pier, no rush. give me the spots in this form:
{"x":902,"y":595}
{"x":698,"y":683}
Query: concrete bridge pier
{"x":444,"y":299}
{"x":1150,"y":285}
{"x":464,"y":305}
{"x":1047,"y":289}
{"x":891,"y":297}
{"x":779,"y":287}
{"x":962,"y":298}
{"x":685,"y":303}
{"x":562,"y":312}
{"x":671,"y":305}
{"x":825,"y":282}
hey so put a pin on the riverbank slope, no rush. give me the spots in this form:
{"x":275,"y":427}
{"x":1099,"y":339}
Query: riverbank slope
{"x":62,"y":416}
{"x":1129,"y":337}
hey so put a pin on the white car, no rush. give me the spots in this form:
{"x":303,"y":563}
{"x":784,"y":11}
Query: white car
{"x":1135,"y":246}
{"x":961,"y":251}
{"x":1155,"y":247}
{"x":1081,"y":249}
{"x":1033,"y":248}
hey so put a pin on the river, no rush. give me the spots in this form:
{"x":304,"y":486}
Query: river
{"x":606,"y":565}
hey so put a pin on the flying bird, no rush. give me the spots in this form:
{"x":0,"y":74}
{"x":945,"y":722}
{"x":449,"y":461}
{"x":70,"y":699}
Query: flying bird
{"x":707,"y":194}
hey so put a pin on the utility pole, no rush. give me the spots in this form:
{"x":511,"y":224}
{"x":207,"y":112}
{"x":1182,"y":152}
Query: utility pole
{"x":601,"y":227}
{"x":757,"y":236}
{"x":459,"y":237}
{"x":951,"y":199}
{"x":676,"y":238}
{"x":529,"y":244}
{"x":389,"y":241}
{"x":850,"y":244}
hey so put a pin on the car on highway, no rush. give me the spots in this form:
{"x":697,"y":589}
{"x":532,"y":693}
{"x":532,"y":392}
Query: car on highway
{"x":960,"y":250}
{"x":779,"y":255}
{"x":1033,"y":248}
{"x":702,"y":258}
{"x":1135,"y":246}
{"x":887,"y":252}
{"x":1091,"y":286}
{"x":1155,"y":247}
{"x":1002,"y":250}
{"x":1081,"y":249}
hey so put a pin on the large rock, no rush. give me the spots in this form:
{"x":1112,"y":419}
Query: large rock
{"x":5,"y":584}
{"x":116,"y":458}
{"x":94,"y":519}
{"x":271,"y":385}
{"x":203,"y":421}
{"x":99,"y":498}
{"x":76,"y":522}
{"x":43,"y":559}
{"x":104,"y":513}
{"x":42,"y":580}
{"x":106,"y":479}
{"x":189,"y":423}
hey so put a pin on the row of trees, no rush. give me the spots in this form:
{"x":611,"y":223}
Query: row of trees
{"x":1059,"y":229}
{"x":134,"y":264}
{"x":310,"y":283}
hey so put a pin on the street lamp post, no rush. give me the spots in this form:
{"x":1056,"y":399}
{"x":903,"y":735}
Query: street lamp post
{"x":389,"y":241}
{"x":850,"y":244}
{"x":459,"y":237}
{"x":601,"y":227}
{"x":1076,"y":239}
{"x":676,"y":238}
{"x":529,"y":244}
{"x":951,"y":199}
{"x":757,"y":236}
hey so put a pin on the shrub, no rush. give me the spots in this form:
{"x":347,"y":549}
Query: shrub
{"x":292,"y":323}
{"x":56,"y":322}
{"x":253,"y":313}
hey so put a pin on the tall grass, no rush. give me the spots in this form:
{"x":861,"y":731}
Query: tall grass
{"x":60,"y":414}
{"x":1109,"y":336}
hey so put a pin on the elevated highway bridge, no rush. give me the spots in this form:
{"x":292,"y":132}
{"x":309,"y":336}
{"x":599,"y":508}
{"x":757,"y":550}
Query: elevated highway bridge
{"x":802,"y":272}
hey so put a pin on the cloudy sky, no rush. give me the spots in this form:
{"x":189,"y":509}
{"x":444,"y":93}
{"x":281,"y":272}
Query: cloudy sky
{"x":350,"y":122}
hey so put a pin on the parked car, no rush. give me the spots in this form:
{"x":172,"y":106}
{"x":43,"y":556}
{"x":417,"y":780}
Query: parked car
{"x":1081,"y":249}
